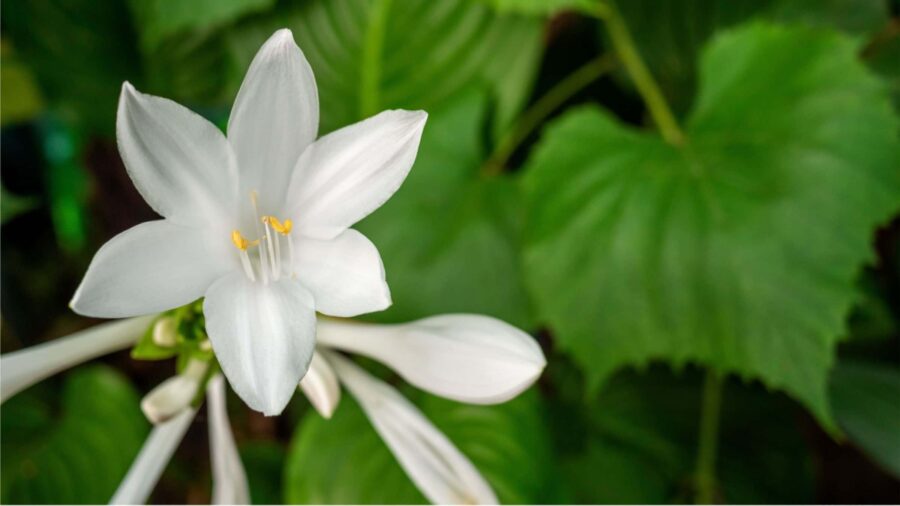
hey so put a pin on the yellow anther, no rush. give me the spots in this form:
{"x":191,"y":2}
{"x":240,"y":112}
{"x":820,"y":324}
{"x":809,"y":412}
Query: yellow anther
{"x":283,"y":228}
{"x":241,"y":242}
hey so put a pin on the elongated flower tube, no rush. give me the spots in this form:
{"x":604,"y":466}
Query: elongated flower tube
{"x":435,"y":465}
{"x":257,"y":222}
{"x":23,"y":368}
{"x":152,"y":459}
{"x":468,"y":358}
{"x":229,"y":478}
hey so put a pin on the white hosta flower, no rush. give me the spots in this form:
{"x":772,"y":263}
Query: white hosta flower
{"x":469,"y":358}
{"x":256,"y":222}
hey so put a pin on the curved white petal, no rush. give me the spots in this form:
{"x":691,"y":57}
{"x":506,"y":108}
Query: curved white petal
{"x":349,"y":173}
{"x":152,"y":460}
{"x":321,"y":386}
{"x":150,"y":268}
{"x":263,"y":336}
{"x":229,"y":478}
{"x":344,"y":274}
{"x":469,"y":358}
{"x":433,"y":463}
{"x":175,"y":394}
{"x":275,"y":116}
{"x":21,"y":369}
{"x":180,"y":162}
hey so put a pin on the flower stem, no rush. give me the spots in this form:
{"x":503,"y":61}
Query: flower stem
{"x":637,"y":70}
{"x":708,"y":438}
{"x":532,"y":118}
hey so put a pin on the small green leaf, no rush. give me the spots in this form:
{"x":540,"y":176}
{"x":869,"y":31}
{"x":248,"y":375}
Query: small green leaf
{"x":78,"y":455}
{"x":865,"y":398}
{"x":147,"y":349}
{"x":738,"y":250}
{"x":343,"y":460}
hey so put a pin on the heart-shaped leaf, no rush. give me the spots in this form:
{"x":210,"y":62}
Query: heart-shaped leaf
{"x":739,"y":249}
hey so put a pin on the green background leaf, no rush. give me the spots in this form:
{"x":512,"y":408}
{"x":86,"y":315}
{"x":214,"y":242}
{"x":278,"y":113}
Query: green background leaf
{"x":343,"y":460}
{"x":644,"y":429}
{"x":865,"y":397}
{"x":671,"y":34}
{"x":449,"y":238}
{"x":78,"y":452}
{"x":374,"y":55}
{"x":738,"y":250}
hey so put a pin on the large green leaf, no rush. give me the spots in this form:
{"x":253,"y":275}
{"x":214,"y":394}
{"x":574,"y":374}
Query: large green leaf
{"x":449,"y":239}
{"x":738,"y":250}
{"x":643,"y":444}
{"x":371,"y":55}
{"x":865,"y":398}
{"x":343,"y":460}
{"x":80,"y":453}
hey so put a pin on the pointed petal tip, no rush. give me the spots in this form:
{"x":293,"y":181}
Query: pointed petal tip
{"x":282,"y":34}
{"x":282,"y":39}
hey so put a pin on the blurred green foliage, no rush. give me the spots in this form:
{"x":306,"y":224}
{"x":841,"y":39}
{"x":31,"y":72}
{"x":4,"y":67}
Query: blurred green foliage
{"x":739,"y":251}
{"x":76,"y":452}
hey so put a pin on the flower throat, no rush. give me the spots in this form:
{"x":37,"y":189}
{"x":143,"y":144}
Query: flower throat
{"x":267,"y":247}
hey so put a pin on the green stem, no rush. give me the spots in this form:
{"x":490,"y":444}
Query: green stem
{"x":708,"y":439}
{"x":643,"y":80}
{"x":538,"y":112}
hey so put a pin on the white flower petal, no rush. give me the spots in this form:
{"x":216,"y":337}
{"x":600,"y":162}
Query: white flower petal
{"x":229,"y":478}
{"x":275,"y":116}
{"x":344,"y":274}
{"x":152,"y":460}
{"x":21,"y":369}
{"x":180,"y":162}
{"x":469,"y":358}
{"x":321,"y":386}
{"x":175,"y":394}
{"x":150,"y":268}
{"x":433,"y":463}
{"x":263,"y":336}
{"x":349,"y":173}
